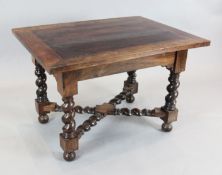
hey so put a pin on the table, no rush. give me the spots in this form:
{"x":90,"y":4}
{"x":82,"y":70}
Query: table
{"x":78,"y":51}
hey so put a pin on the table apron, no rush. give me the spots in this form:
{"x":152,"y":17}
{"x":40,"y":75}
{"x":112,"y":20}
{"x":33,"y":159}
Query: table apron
{"x":125,"y":66}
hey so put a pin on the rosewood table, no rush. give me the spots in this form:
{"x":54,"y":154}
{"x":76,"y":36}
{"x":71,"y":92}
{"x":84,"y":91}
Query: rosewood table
{"x":77,"y":51}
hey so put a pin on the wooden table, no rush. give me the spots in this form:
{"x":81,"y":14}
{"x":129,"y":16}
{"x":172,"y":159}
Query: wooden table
{"x":83,"y":50}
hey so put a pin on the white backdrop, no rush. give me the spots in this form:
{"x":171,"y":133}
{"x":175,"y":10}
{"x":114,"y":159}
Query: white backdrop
{"x":116,"y":145}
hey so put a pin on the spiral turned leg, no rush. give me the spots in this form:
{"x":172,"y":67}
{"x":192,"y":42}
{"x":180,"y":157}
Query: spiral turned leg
{"x":41,"y":93}
{"x":170,"y":101}
{"x":68,"y":138}
{"x":130,"y":86}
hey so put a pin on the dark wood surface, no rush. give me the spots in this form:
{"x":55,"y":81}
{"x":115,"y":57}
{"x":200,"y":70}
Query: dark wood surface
{"x":88,"y":44}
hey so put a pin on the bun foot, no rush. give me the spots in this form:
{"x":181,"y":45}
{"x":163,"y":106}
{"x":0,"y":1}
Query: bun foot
{"x":69,"y":156}
{"x":167,"y":127}
{"x":43,"y":119}
{"x":130,"y":99}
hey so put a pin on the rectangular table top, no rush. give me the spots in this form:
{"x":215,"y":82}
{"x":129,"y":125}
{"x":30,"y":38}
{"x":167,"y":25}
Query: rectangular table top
{"x":78,"y":45}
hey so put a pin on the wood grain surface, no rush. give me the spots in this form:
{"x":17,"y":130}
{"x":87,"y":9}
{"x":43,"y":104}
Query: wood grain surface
{"x":86,"y":44}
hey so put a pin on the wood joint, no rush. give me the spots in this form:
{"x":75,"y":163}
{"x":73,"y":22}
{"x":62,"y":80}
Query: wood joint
{"x":157,"y":112}
{"x":130,"y":87}
{"x":69,"y":144}
{"x":45,"y":107}
{"x":105,"y":108}
{"x":170,"y":116}
{"x":180,"y":61}
{"x":66,"y":83}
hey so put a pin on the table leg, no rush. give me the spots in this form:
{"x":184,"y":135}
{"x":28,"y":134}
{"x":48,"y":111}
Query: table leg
{"x":67,"y":87}
{"x":131,"y":86}
{"x":170,"y":101}
{"x":68,"y":138}
{"x":41,"y":93}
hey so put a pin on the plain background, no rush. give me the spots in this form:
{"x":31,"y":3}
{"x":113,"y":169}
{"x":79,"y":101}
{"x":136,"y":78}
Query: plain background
{"x":117,"y":145}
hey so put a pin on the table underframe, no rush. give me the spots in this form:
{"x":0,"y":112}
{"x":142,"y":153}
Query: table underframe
{"x":69,"y":138}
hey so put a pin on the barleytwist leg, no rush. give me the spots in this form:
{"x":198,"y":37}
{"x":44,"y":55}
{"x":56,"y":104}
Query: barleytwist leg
{"x":170,"y":101}
{"x":130,"y":86}
{"x":41,"y":92}
{"x":68,"y":138}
